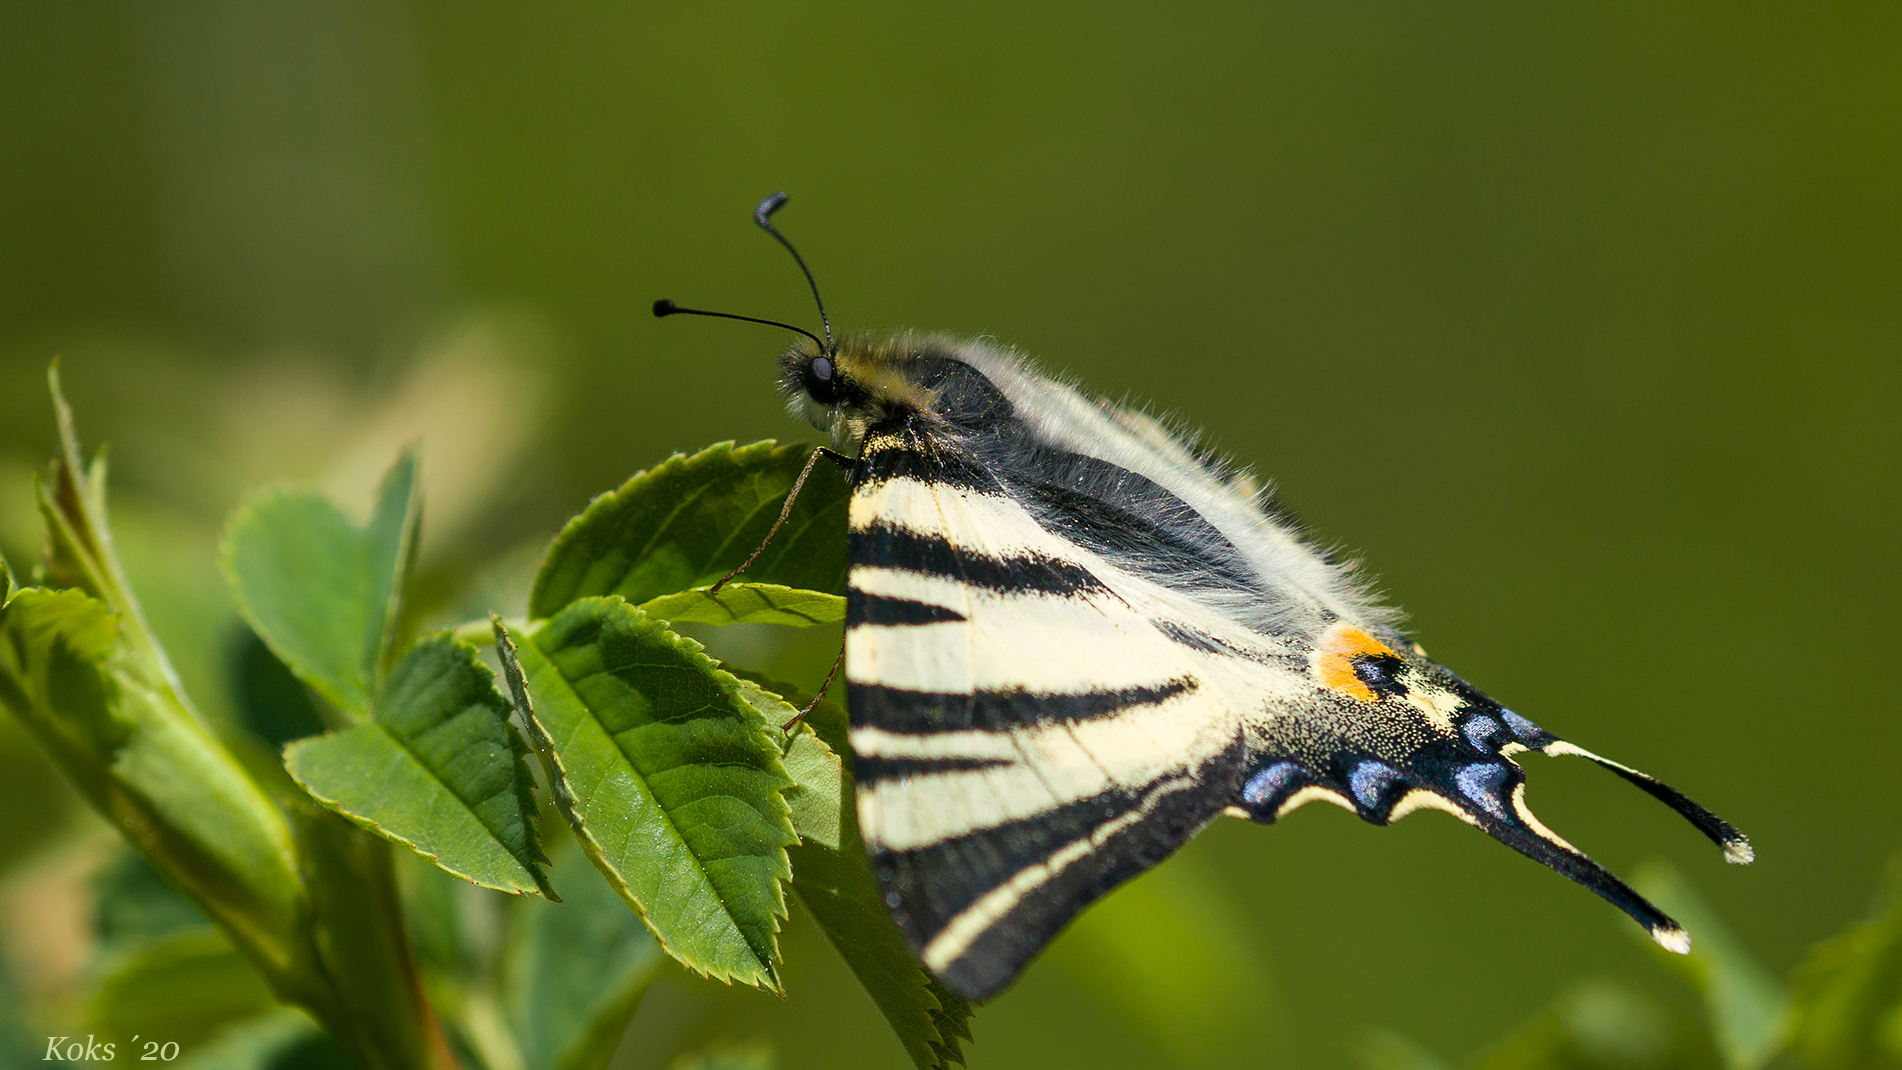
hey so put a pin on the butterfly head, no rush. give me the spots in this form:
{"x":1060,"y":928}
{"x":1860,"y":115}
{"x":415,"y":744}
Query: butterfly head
{"x":857,"y":383}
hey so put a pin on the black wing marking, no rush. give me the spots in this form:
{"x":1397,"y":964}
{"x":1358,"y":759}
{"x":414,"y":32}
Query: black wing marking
{"x":1035,"y":732}
{"x":999,"y":796}
{"x":1468,"y":771}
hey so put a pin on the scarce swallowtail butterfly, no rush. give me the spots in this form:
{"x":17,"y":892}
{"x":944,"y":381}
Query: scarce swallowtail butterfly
{"x":1074,"y":638}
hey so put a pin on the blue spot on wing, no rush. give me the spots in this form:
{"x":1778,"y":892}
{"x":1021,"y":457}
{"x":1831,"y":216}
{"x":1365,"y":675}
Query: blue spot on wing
{"x":1484,"y":783}
{"x":1267,"y":788}
{"x":1370,"y":782}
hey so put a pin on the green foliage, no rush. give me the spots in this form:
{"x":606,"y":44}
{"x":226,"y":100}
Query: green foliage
{"x":67,"y":672}
{"x":748,"y":603}
{"x":282,"y":1039}
{"x":835,"y":883}
{"x":160,"y":968}
{"x":1842,"y":1011}
{"x":692,"y":519}
{"x":1746,"y":1008}
{"x":181,"y":987}
{"x":676,"y":786}
{"x":80,"y":669}
{"x":1848,"y":994}
{"x":378,"y":1007}
{"x":527,"y":984}
{"x":727,"y":1056}
{"x":439,"y":770}
{"x":323,"y":593}
{"x":133,"y":904}
{"x":275,"y":932}
{"x":571,"y":978}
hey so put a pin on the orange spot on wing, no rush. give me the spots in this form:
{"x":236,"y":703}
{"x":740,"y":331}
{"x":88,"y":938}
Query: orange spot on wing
{"x":1334,"y":660}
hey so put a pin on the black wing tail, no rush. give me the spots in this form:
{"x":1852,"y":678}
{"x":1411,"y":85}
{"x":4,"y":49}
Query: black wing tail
{"x":1736,"y":845}
{"x":1472,"y":776}
{"x":1509,"y":821}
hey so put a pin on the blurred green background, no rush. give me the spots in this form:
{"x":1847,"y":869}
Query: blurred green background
{"x":1580,"y":323}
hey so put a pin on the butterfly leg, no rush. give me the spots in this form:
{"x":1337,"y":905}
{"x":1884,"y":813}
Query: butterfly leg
{"x":785,"y":511}
{"x":837,"y":663}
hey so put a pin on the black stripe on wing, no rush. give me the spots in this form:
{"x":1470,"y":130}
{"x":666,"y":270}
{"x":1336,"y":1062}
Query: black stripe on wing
{"x":1131,"y":520}
{"x":869,"y":769}
{"x":1029,"y":876}
{"x":889,"y":545}
{"x":897,"y":709}
{"x":1040,"y":872}
{"x":884,"y":610}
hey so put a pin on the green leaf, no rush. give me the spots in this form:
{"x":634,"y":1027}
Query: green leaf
{"x":271,"y":702}
{"x":835,"y":882}
{"x":80,"y":552}
{"x":154,"y":770}
{"x":179,"y":987}
{"x":79,"y":549}
{"x":391,"y":542}
{"x":1747,"y":1008}
{"x":574,"y":973}
{"x":377,"y":1007}
{"x":820,"y":788}
{"x":691,"y":520}
{"x":322,"y":592}
{"x":748,"y":603}
{"x":282,"y":1039}
{"x":440,"y":770}
{"x":669,"y":780}
{"x":1848,"y":993}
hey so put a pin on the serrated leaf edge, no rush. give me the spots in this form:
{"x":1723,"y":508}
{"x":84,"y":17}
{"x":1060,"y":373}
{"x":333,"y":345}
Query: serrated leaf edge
{"x":607,"y":498}
{"x":371,"y":825}
{"x":950,"y":1029}
{"x":538,"y":858}
{"x":565,"y":801}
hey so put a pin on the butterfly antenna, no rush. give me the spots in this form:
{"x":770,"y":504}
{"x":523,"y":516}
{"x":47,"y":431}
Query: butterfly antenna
{"x":664,"y":308}
{"x":763,"y":215}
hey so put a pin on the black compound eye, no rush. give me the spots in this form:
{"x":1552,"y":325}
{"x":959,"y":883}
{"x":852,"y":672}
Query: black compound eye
{"x":820,"y":382}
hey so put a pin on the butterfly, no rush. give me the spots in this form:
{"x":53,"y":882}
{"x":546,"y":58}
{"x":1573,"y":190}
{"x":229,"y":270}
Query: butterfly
{"x":1074,"y":638}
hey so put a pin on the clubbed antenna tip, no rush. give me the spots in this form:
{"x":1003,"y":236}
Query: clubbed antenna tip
{"x":763,"y":215}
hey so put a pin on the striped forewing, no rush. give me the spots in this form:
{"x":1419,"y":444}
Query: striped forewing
{"x":1028,"y":730}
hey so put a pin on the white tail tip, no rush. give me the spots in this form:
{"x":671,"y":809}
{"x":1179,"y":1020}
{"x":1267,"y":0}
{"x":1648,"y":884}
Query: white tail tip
{"x":1673,"y":939}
